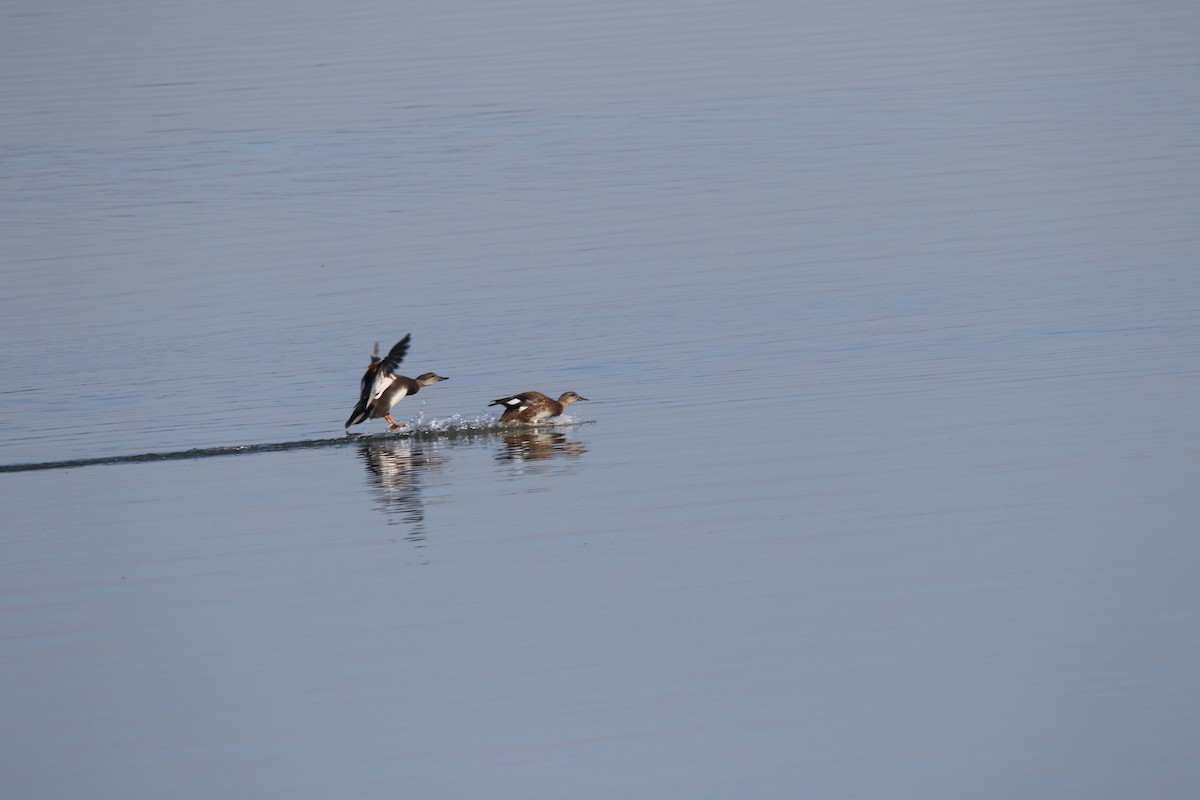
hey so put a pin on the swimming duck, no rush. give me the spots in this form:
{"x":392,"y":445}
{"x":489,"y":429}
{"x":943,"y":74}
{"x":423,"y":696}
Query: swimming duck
{"x":382,"y":388}
{"x":533,"y":406}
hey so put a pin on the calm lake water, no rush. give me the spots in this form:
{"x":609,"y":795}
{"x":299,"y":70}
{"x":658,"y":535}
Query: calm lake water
{"x":889,"y":317}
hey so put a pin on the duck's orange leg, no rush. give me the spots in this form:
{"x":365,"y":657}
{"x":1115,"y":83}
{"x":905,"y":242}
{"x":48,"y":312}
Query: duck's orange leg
{"x":395,"y":424}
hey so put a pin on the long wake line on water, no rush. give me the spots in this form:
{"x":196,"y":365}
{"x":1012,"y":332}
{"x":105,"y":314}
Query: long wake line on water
{"x":424,"y":430}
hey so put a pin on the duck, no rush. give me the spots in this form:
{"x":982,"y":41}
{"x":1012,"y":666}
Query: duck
{"x":533,"y":406}
{"x":382,"y":388}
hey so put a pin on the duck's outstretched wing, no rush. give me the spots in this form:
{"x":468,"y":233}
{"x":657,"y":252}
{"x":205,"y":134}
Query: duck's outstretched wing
{"x":396,"y":354}
{"x":385,"y":373}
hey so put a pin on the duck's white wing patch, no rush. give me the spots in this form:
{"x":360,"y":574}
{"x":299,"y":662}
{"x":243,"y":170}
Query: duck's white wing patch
{"x":381,"y":384}
{"x":515,"y":402}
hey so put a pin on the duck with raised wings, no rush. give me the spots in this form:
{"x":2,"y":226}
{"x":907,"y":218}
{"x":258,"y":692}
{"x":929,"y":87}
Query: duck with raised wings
{"x":382,"y":388}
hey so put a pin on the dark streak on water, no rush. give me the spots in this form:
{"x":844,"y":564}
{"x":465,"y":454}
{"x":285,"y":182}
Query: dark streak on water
{"x":455,"y":432}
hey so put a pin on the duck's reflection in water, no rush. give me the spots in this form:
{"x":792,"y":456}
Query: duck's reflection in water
{"x":527,"y":447}
{"x":395,"y":469}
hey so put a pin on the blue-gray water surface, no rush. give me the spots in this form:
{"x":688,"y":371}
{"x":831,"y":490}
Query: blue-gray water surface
{"x":889,"y":321}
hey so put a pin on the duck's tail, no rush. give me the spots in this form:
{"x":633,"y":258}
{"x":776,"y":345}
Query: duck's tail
{"x":359,"y":415}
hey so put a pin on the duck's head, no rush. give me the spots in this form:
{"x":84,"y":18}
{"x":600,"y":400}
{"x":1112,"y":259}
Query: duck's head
{"x":569,"y":397}
{"x":429,"y":378}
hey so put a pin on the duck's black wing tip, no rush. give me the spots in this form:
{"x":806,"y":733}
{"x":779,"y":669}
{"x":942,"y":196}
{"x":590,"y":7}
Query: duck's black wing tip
{"x":397,"y":353}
